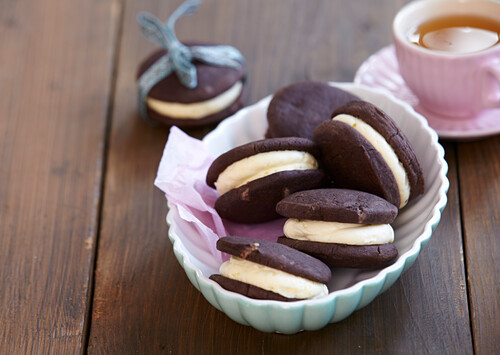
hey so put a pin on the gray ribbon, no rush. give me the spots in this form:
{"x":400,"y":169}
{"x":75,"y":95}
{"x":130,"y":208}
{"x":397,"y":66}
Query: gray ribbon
{"x":179,"y":57}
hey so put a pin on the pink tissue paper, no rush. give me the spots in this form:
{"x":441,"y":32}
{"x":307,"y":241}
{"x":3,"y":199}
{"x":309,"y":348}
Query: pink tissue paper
{"x":181,"y":176}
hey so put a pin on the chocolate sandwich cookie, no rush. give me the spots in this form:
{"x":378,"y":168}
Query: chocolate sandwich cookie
{"x":343,"y":228}
{"x":265,"y":270}
{"x":187,"y":84}
{"x":363,"y":149}
{"x":252,"y":178}
{"x":220,"y":92}
{"x":296,"y":110}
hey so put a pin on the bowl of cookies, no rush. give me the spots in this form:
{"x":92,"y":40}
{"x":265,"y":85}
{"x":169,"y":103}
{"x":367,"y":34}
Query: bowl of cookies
{"x":302,"y":208}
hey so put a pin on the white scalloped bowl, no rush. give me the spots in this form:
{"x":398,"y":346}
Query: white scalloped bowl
{"x":349,"y":289}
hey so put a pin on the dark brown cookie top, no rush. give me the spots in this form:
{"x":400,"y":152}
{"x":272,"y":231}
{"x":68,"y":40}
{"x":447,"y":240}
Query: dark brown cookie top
{"x":338,"y":205}
{"x":276,"y":256}
{"x":384,"y":125}
{"x":212,"y":81}
{"x":343,"y":255}
{"x":255,"y":202}
{"x":354,"y":163}
{"x":256,"y":147}
{"x":296,"y":110}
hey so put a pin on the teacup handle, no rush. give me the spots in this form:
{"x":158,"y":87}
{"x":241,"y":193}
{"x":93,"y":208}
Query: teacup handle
{"x":491,"y":83}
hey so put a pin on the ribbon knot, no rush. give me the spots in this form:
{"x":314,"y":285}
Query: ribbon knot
{"x":179,"y":57}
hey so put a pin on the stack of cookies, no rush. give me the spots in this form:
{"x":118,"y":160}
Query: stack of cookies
{"x":337,"y":167}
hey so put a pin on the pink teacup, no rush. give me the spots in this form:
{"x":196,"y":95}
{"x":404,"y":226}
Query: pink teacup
{"x":450,"y":84}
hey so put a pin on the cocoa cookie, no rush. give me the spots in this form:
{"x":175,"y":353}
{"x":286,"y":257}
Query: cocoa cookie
{"x":296,"y":110}
{"x":220,"y":92}
{"x":256,"y":201}
{"x":266,"y":270}
{"x":341,"y":227}
{"x":343,"y":255}
{"x":253,"y":177}
{"x":363,"y":149}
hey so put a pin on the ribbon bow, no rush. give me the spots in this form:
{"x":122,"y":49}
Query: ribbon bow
{"x":179,"y":57}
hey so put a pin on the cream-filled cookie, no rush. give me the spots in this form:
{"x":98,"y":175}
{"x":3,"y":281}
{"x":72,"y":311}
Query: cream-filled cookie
{"x":252,"y":178}
{"x":266,"y":270}
{"x":363,"y":149}
{"x":343,"y":228}
{"x":220,"y":92}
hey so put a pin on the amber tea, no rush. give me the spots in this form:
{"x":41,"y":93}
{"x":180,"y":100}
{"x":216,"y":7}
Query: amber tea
{"x":457,"y":33}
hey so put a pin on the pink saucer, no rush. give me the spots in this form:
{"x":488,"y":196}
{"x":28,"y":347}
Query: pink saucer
{"x":381,"y":70}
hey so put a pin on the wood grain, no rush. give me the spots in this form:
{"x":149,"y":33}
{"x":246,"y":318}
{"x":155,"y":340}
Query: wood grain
{"x":55,"y":79}
{"x":144,"y":303}
{"x":479,"y":167}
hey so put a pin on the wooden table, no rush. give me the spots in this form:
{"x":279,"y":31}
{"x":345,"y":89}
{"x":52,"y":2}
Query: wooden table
{"x":85,"y":262}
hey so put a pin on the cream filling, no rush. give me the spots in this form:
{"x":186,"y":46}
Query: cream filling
{"x":385,"y":150}
{"x":263,"y":164}
{"x":340,"y":233}
{"x":198,"y":109}
{"x":270,"y":279}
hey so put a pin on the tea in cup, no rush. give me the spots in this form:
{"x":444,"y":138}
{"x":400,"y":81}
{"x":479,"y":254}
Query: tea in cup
{"x":449,"y":54}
